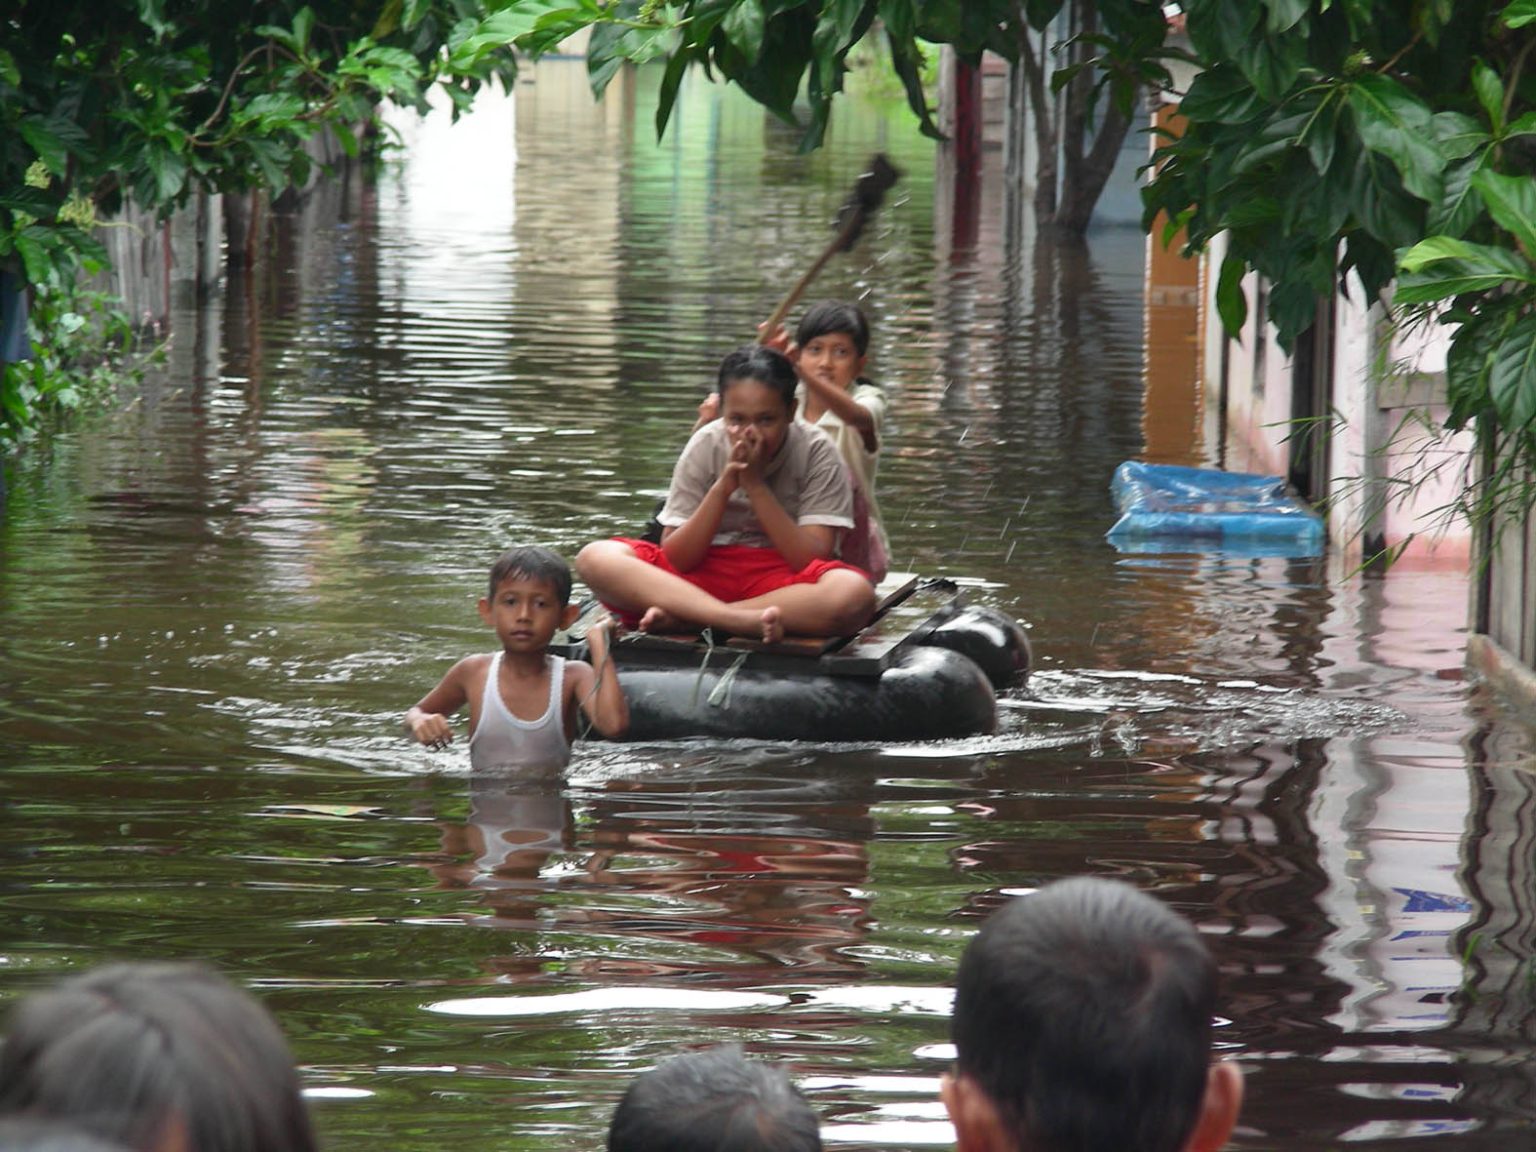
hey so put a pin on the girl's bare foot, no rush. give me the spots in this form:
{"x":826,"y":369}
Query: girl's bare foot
{"x":657,"y":620}
{"x":773,"y":625}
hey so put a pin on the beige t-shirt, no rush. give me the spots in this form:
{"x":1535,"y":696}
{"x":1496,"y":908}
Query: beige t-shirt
{"x":850,"y":444}
{"x":806,"y":477}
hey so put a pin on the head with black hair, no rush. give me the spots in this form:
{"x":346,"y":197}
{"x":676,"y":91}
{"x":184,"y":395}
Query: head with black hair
{"x":1082,"y":1023}
{"x":834,"y":317}
{"x":27,"y":1133}
{"x":756,"y":362}
{"x":156,"y":1056}
{"x":715,"y":1100}
{"x":757,"y":400}
{"x":532,"y":562}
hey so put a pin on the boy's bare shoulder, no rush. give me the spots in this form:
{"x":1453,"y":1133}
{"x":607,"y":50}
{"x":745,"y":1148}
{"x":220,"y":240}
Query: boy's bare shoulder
{"x":577,"y":672}
{"x":471,"y":667}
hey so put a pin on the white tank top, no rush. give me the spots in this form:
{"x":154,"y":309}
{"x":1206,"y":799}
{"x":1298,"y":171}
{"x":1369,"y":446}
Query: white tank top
{"x":501,"y":740}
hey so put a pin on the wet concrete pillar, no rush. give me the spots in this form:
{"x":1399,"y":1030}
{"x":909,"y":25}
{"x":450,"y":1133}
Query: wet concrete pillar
{"x":959,"y":174}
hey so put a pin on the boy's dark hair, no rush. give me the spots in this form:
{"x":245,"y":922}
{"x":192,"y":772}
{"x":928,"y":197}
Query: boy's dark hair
{"x":126,"y":1049}
{"x":533,"y":563}
{"x":713,"y":1101}
{"x":756,"y":362}
{"x":828,"y":316}
{"x":49,"y":1134}
{"x":1084,"y":1013}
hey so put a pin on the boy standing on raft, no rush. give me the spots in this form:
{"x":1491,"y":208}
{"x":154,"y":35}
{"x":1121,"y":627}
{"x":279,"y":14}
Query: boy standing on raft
{"x":830,"y":350}
{"x":523,"y":702}
{"x":750,"y":524}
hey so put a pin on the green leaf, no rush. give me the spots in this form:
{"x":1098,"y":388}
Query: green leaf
{"x":1397,"y":124}
{"x":388,"y":22}
{"x":1442,"y":267}
{"x":1512,"y":375}
{"x":671,"y":81}
{"x":152,"y":13}
{"x":169,"y":170}
{"x":553,"y":29}
{"x":1322,"y":136}
{"x":1427,"y":252}
{"x":1466,"y":367}
{"x":269,"y":111}
{"x":1378,"y":202}
{"x":1518,"y":14}
{"x":8,"y":71}
{"x":414,"y":12}
{"x":907,"y":60}
{"x":1231,"y":301}
{"x":1272,"y":66}
{"x":1490,"y":94}
{"x":1284,"y":15}
{"x":34,"y":257}
{"x":1460,"y":206}
{"x":1221,"y":95}
{"x":1040,"y":13}
{"x":1458,"y":135}
{"x":611,"y":45}
{"x":743,"y":27}
{"x":303,"y":22}
{"x":51,"y":150}
{"x":1522,"y":126}
{"x":346,"y":138}
{"x":1511,"y":202}
{"x":501,"y":29}
{"x":271,"y":159}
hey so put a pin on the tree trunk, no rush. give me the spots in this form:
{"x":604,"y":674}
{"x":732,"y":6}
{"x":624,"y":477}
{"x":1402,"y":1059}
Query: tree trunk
{"x":1070,"y":173}
{"x":1086,"y":175}
{"x":1043,"y":114}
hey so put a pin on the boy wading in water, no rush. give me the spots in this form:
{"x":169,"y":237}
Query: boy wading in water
{"x":523,"y":702}
{"x":751,"y":522}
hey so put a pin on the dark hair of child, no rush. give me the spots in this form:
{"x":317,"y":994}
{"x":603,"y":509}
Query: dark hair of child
{"x":1084,"y":1012}
{"x":533,"y":563}
{"x":49,"y":1134}
{"x":140,"y":1052}
{"x":828,"y":316}
{"x":755,"y":362}
{"x":713,"y":1099}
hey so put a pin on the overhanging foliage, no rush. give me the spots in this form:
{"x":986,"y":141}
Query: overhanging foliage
{"x":1395,"y":140}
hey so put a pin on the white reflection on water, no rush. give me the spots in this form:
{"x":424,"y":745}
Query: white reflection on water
{"x":618,"y":998}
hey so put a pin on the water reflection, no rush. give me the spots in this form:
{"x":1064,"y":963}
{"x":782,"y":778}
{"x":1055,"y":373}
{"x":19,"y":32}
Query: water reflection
{"x":214,"y":608}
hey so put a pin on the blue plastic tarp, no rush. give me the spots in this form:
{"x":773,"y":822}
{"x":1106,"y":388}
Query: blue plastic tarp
{"x":1166,"y":507}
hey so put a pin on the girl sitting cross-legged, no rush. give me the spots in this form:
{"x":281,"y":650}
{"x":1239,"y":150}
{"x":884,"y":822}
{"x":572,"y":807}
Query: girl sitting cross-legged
{"x":750,"y":525}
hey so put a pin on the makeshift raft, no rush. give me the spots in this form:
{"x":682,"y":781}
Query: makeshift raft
{"x":927,"y":667}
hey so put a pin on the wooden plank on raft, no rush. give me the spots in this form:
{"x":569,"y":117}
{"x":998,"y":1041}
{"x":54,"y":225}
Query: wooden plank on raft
{"x":866,"y":653}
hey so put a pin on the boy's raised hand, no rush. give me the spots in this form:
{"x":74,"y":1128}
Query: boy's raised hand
{"x":778,"y":340}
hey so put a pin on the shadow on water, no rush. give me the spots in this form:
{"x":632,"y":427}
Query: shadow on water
{"x":215,"y":606}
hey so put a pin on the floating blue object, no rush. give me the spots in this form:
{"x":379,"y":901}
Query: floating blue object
{"x":1165,"y":507}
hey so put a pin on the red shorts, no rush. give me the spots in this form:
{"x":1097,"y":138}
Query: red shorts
{"x":733,"y":572}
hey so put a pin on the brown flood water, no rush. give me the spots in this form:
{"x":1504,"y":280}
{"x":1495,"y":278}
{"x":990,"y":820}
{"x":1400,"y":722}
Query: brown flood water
{"x":215,"y":606}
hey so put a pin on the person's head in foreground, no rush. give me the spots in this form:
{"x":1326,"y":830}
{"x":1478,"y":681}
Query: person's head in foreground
{"x":1082,"y":1023}
{"x":715,"y":1100}
{"x":156,"y":1057}
{"x":49,"y":1134}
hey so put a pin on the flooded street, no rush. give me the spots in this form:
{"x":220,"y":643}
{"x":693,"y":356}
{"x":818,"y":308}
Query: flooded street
{"x":216,"y":606}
